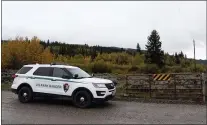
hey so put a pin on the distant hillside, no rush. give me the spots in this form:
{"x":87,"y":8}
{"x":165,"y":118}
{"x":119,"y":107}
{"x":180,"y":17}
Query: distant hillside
{"x":86,"y":50}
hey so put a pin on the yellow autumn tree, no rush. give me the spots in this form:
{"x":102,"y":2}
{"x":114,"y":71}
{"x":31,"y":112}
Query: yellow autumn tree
{"x":4,"y":56}
{"x":20,"y":51}
{"x":34,"y":51}
{"x":13,"y":53}
{"x":46,"y":56}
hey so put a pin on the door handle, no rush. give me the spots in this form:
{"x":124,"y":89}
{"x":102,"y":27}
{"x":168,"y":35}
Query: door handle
{"x":53,"y":79}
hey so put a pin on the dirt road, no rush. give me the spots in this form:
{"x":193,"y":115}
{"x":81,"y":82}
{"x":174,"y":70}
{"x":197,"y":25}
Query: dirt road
{"x":112,"y":112}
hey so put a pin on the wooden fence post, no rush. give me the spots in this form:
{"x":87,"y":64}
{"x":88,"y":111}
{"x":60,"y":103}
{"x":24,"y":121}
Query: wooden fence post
{"x":126,"y":85}
{"x":204,"y":86}
{"x":175,"y":96}
{"x":150,"y":81}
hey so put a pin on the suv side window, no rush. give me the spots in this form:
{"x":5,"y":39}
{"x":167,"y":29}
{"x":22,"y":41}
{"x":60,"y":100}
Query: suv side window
{"x":24,"y":70}
{"x":43,"y":71}
{"x":60,"y":72}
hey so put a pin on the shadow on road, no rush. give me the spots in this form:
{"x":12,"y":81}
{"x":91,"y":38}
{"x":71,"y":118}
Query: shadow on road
{"x":67,"y":102}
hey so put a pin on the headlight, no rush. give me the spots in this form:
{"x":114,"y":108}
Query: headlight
{"x":99,"y":85}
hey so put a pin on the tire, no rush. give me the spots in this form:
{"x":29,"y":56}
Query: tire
{"x":82,"y":99}
{"x":25,"y":95}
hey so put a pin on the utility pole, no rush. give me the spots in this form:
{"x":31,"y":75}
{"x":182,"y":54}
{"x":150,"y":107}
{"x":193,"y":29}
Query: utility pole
{"x":194,"y":55}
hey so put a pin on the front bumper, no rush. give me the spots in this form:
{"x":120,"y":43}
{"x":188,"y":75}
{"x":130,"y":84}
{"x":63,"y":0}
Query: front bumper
{"x":109,"y":97}
{"x":108,"y":94}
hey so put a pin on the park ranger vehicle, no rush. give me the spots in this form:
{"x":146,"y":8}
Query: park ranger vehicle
{"x":61,"y":80}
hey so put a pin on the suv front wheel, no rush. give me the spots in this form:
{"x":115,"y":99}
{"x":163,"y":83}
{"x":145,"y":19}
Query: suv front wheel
{"x":25,"y":94}
{"x":82,"y":99}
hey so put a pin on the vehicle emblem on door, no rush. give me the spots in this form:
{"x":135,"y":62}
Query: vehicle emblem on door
{"x":66,"y":87}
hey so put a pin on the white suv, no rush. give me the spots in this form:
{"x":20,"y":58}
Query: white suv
{"x":61,"y":80}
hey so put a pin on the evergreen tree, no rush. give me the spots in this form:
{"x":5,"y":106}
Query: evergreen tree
{"x":185,"y":56}
{"x":154,"y":53}
{"x":138,"y":48}
{"x":177,"y":58}
{"x":48,"y":43}
{"x":181,"y":55}
{"x":93,"y":54}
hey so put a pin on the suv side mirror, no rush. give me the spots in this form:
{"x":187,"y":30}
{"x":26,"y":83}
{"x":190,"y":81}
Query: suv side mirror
{"x":75,"y":76}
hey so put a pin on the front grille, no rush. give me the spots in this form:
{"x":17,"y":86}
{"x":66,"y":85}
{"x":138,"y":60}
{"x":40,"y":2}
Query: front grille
{"x":110,"y":85}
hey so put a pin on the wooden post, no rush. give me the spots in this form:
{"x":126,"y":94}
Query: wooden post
{"x":150,"y":81}
{"x":126,"y":85}
{"x":204,"y":86}
{"x":194,"y":55}
{"x":175,"y":96}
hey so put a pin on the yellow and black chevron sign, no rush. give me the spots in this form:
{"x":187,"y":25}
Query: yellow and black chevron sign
{"x":161,"y":77}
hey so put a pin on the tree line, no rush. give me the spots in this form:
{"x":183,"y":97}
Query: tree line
{"x":20,"y":51}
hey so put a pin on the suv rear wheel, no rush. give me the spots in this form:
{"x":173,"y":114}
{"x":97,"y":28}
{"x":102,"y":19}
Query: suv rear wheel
{"x":25,"y":95}
{"x":82,"y":99}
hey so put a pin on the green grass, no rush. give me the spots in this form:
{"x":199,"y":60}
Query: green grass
{"x":5,"y":86}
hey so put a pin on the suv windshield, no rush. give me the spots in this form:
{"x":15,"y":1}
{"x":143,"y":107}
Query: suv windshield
{"x":79,"y":72}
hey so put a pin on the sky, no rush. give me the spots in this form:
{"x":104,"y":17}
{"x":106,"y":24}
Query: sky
{"x":110,"y":23}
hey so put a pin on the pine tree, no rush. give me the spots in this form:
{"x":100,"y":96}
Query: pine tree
{"x":138,"y":48}
{"x":154,"y":53}
{"x":93,"y":54}
{"x":181,"y":55}
{"x":48,"y":43}
{"x":177,"y":58}
{"x":185,"y":56}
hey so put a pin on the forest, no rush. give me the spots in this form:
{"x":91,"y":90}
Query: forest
{"x":97,"y":59}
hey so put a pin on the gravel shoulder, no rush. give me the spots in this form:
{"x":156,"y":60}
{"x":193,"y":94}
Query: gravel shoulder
{"x":113,"y":112}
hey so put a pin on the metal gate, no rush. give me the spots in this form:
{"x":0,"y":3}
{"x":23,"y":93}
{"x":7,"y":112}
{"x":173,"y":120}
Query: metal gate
{"x":165,"y":86}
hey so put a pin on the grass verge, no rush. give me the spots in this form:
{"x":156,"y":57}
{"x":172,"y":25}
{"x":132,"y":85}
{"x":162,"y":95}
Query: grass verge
{"x":5,"y":86}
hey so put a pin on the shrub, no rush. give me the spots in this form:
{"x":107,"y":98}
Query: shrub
{"x":100,"y":67}
{"x":176,"y":69}
{"x":118,"y":71}
{"x":134,"y":69}
{"x":138,"y":60}
{"x":150,"y":68}
{"x":199,"y":68}
{"x":166,"y":69}
{"x":77,"y":59}
{"x":122,"y":58}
